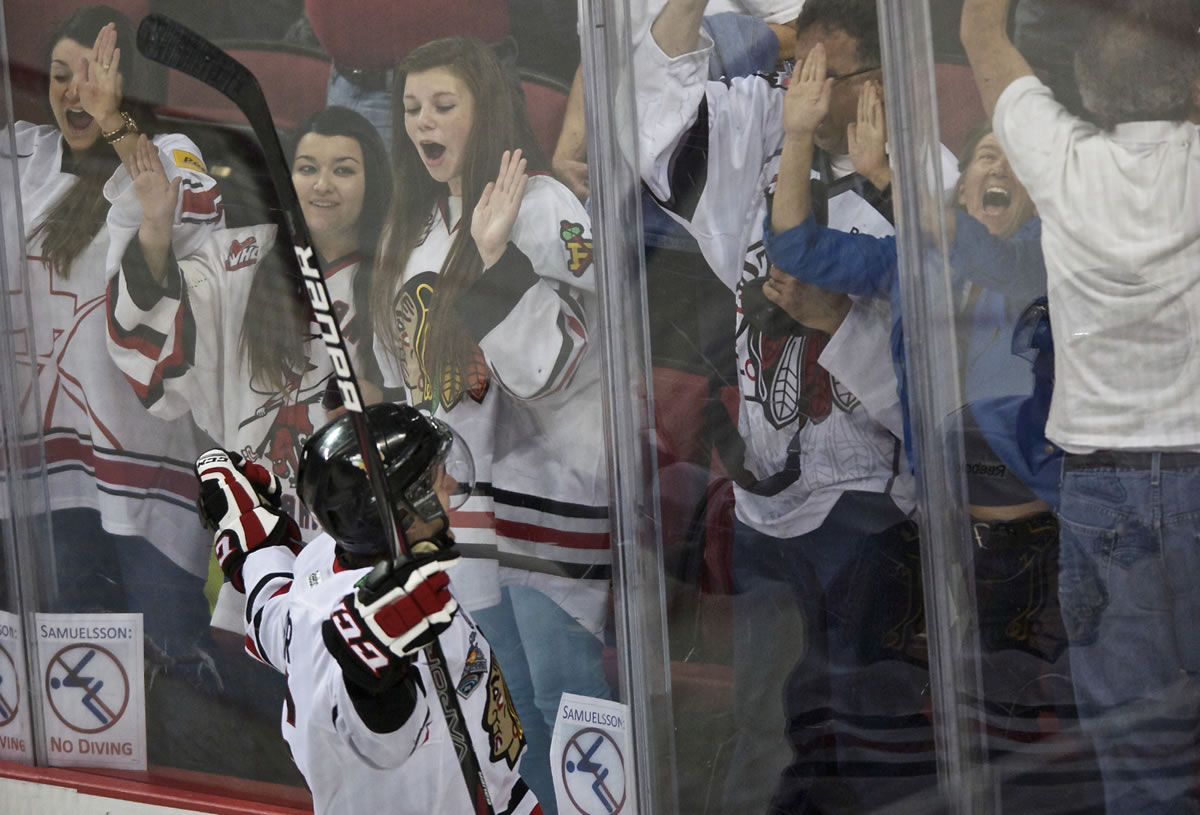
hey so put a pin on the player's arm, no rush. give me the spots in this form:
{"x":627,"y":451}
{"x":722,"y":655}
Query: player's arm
{"x":375,"y":635}
{"x":994,"y":59}
{"x":255,"y":543}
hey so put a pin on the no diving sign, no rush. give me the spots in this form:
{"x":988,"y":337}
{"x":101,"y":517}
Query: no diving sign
{"x":15,"y":744}
{"x":90,"y":666}
{"x":590,"y":758}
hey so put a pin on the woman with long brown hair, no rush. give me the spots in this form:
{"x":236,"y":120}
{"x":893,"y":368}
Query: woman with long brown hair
{"x":119,"y":480}
{"x":483,"y":303}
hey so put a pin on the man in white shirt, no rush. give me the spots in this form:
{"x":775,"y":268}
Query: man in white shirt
{"x":1120,"y":203}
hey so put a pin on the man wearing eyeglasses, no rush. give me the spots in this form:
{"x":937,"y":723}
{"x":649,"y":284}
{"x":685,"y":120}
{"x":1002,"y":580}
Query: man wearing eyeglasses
{"x":826,"y":496}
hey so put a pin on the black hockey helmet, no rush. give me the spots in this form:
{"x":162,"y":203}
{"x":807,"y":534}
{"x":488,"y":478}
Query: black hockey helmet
{"x":334,"y":486}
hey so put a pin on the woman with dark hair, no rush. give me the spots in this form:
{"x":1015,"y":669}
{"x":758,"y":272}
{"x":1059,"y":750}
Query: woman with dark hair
{"x":118,"y":479}
{"x":225,"y":332}
{"x":483,"y":304}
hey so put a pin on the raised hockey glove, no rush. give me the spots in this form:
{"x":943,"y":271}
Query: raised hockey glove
{"x":239,"y":501}
{"x":392,"y":614}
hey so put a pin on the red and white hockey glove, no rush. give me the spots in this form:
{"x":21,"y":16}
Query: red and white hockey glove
{"x":239,"y":501}
{"x":391,"y":615}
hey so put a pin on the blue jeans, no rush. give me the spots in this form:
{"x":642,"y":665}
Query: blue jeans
{"x":374,"y":104}
{"x":1129,"y":559}
{"x":544,"y":653}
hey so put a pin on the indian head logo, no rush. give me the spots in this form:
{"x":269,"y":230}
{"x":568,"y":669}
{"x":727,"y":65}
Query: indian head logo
{"x":242,"y":254}
{"x":501,"y":721}
{"x":580,"y":250}
{"x":413,"y":307}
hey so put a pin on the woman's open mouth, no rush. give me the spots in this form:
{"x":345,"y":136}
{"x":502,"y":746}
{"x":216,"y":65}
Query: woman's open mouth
{"x":78,"y":119}
{"x":432,"y":150}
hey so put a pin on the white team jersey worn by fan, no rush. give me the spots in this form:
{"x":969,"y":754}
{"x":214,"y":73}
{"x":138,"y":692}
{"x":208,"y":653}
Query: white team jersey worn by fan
{"x":528,"y":405}
{"x":180,"y":347}
{"x":835,"y":399}
{"x":349,"y":767}
{"x":103,"y":449}
{"x":1121,"y":233}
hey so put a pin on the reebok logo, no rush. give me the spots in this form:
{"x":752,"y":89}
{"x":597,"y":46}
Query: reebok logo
{"x":987,"y":470}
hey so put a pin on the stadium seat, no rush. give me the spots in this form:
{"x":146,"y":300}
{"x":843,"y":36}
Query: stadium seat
{"x":373,"y":34}
{"x":959,"y":107}
{"x":545,"y":105}
{"x":293,"y":79}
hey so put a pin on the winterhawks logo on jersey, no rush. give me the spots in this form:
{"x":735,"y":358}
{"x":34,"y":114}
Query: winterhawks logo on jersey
{"x":242,"y":254}
{"x":580,"y":249}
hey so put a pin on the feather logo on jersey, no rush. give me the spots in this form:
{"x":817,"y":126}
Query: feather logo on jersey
{"x":507,"y":736}
{"x":413,"y":308}
{"x":783,"y":373}
{"x":188,"y":161}
{"x":579,"y":249}
{"x":242,"y":254}
{"x":474,"y":671}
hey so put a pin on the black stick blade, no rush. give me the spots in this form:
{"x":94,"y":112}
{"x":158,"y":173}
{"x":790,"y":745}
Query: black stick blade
{"x":166,"y":41}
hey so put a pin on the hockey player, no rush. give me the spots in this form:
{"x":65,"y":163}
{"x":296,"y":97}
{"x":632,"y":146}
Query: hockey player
{"x":347,"y":625}
{"x":118,"y":479}
{"x":483,"y":305}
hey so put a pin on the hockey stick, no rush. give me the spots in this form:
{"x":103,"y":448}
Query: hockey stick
{"x":163,"y":40}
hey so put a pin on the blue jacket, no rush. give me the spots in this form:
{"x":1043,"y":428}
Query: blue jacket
{"x":867,"y":266}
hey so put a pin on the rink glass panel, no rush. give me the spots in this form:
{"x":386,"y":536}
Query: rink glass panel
{"x":935,"y":674}
{"x":940,"y":694}
{"x":213,"y":714}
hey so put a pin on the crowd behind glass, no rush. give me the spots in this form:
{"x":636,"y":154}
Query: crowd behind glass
{"x":163,"y":319}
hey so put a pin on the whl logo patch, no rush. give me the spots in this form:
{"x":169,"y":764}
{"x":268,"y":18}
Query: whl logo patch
{"x":580,"y":249}
{"x":242,"y":254}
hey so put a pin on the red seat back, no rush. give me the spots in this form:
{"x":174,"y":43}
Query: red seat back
{"x":959,"y":106}
{"x":293,"y":79}
{"x":545,"y":105}
{"x":379,"y":33}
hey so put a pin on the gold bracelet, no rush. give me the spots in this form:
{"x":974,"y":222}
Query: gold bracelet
{"x":127,"y":127}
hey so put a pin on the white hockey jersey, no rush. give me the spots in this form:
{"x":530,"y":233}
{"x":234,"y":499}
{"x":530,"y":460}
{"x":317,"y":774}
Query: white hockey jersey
{"x":532,"y":409}
{"x":834,"y":400}
{"x":179,"y":346}
{"x":103,"y":449}
{"x":348,"y":766}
